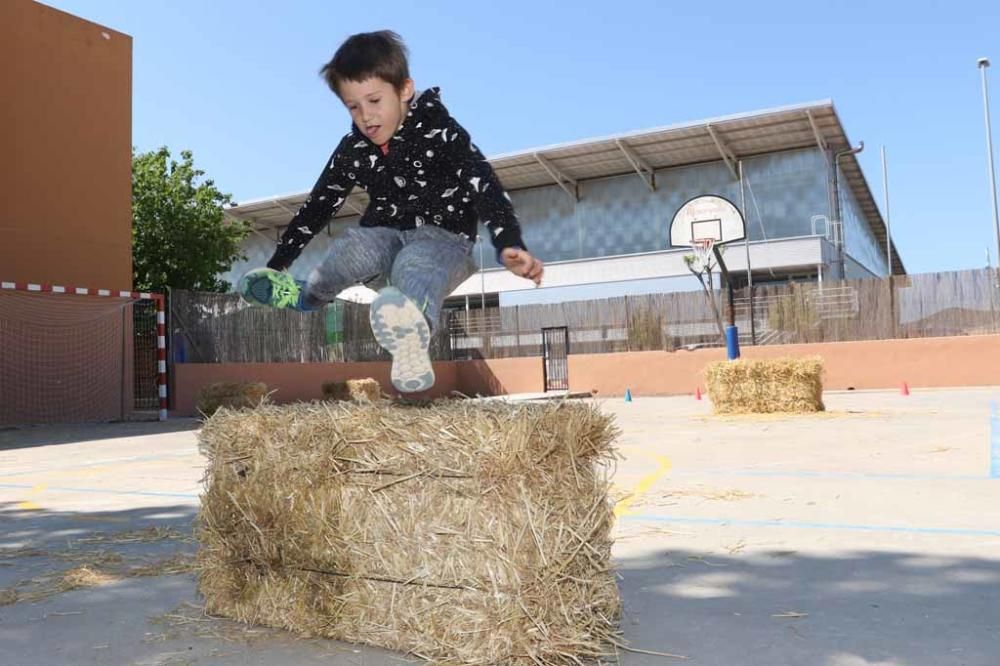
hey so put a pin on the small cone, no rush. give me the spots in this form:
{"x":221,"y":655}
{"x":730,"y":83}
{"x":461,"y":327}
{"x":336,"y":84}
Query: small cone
{"x":628,"y":395}
{"x":905,"y":390}
{"x":697,"y":393}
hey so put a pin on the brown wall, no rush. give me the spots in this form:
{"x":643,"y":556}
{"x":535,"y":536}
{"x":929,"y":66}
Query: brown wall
{"x":500,"y":376}
{"x":291,"y":381}
{"x":65,"y":161}
{"x":304,"y":381}
{"x":921,"y":363}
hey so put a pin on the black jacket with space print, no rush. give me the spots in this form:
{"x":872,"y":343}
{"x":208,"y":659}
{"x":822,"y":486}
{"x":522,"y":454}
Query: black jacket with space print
{"x":432,"y":174}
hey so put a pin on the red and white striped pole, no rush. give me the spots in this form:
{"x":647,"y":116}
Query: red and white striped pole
{"x":161,"y":354}
{"x":161,"y":324}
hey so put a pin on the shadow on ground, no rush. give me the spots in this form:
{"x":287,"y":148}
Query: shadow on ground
{"x":775,"y":608}
{"x":791,"y":608}
{"x":12,"y":438}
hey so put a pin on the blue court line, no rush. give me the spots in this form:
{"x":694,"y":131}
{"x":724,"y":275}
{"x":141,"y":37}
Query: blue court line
{"x":803,"y":474}
{"x":795,"y":524}
{"x":994,"y":441}
{"x":150,"y":493}
{"x":99,"y":463}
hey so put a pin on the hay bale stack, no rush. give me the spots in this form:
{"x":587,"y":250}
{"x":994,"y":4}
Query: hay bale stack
{"x":462,"y":532}
{"x":352,"y":389}
{"x":234,"y":395}
{"x":766,"y":386}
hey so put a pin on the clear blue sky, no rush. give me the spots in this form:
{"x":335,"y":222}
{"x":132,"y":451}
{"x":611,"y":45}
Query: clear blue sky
{"x":236,"y":82}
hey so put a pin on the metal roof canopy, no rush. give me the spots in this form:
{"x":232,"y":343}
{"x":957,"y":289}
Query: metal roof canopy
{"x":727,"y":138}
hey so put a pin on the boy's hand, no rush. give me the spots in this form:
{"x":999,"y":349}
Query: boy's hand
{"x":521,"y":263}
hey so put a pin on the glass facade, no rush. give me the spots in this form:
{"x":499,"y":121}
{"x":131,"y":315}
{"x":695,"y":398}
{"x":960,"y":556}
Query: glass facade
{"x":620,"y":215}
{"x":859,"y":241}
{"x":784,"y":191}
{"x":614,"y":216}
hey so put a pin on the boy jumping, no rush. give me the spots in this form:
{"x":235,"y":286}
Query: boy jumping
{"x":427,"y":184}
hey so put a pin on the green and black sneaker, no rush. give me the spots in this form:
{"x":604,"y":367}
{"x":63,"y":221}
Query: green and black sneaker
{"x":277,"y":289}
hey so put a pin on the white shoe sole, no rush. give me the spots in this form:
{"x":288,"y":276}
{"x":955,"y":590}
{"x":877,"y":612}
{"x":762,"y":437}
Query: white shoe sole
{"x":401,"y":329}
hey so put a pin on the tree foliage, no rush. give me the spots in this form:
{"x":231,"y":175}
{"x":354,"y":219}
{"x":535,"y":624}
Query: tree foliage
{"x":180,"y":237}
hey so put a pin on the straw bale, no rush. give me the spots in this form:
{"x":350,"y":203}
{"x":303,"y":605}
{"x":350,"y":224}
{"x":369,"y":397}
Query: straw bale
{"x":462,"y":532}
{"x":353,"y":389}
{"x":233,"y":395}
{"x":766,"y":386}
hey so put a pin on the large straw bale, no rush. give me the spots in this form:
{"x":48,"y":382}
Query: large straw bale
{"x":352,"y":389}
{"x":766,"y":385}
{"x":233,"y":395}
{"x":461,"y":532}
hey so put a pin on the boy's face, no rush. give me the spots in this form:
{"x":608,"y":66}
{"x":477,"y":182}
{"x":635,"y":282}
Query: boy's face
{"x":375,"y":106}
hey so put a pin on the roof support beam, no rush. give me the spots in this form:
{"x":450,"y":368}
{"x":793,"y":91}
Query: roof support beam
{"x":262,"y":234}
{"x":562,"y":180}
{"x":229,"y":217}
{"x":727,"y":155}
{"x":285,"y":207}
{"x":820,"y":139}
{"x":641,"y":167}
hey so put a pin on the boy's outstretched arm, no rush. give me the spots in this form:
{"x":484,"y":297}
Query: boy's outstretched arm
{"x":493,"y":205}
{"x":327,"y":196}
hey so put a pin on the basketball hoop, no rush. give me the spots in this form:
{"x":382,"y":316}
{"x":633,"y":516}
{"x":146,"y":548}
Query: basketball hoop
{"x":707,"y":218}
{"x":703,"y":250}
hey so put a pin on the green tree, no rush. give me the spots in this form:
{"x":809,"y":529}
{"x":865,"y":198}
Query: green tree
{"x":180,"y":237}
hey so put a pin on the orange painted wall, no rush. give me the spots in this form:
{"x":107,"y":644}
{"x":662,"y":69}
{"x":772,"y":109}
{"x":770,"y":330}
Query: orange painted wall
{"x":66,"y":171}
{"x":500,"y":376}
{"x":922,"y":363}
{"x":292,"y":382}
{"x":304,"y":381}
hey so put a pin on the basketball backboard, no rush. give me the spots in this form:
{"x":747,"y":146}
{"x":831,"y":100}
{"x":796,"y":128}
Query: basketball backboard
{"x":707,"y":218}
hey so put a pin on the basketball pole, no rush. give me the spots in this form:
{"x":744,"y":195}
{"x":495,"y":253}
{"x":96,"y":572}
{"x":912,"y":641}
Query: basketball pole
{"x":732,"y":333}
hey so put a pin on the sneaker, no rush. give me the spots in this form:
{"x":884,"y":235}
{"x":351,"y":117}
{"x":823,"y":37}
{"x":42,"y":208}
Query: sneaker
{"x":265,"y":286}
{"x":401,"y":329}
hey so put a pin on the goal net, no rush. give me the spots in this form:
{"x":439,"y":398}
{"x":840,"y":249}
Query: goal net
{"x":68,"y":358}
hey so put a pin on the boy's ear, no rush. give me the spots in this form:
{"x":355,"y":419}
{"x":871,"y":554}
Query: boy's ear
{"x":408,"y":89}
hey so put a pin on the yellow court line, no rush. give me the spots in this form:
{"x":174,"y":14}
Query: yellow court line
{"x":645,"y":483}
{"x":28,"y":505}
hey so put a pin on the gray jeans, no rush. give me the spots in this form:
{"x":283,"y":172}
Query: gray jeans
{"x":426,"y":264}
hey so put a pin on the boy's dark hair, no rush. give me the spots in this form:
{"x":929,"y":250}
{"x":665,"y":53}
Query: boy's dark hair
{"x":365,"y":55}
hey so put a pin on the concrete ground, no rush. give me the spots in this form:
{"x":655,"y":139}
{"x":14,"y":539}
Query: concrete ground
{"x":866,"y":535}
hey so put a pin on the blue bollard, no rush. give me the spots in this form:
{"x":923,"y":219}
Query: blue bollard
{"x":732,"y":342}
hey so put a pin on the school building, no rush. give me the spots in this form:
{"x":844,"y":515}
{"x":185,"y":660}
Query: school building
{"x":598,"y":211}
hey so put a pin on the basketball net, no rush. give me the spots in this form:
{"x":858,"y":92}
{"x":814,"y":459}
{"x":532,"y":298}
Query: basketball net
{"x":703,"y":251}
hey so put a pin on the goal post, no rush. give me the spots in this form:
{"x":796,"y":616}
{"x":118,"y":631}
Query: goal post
{"x":76,"y":354}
